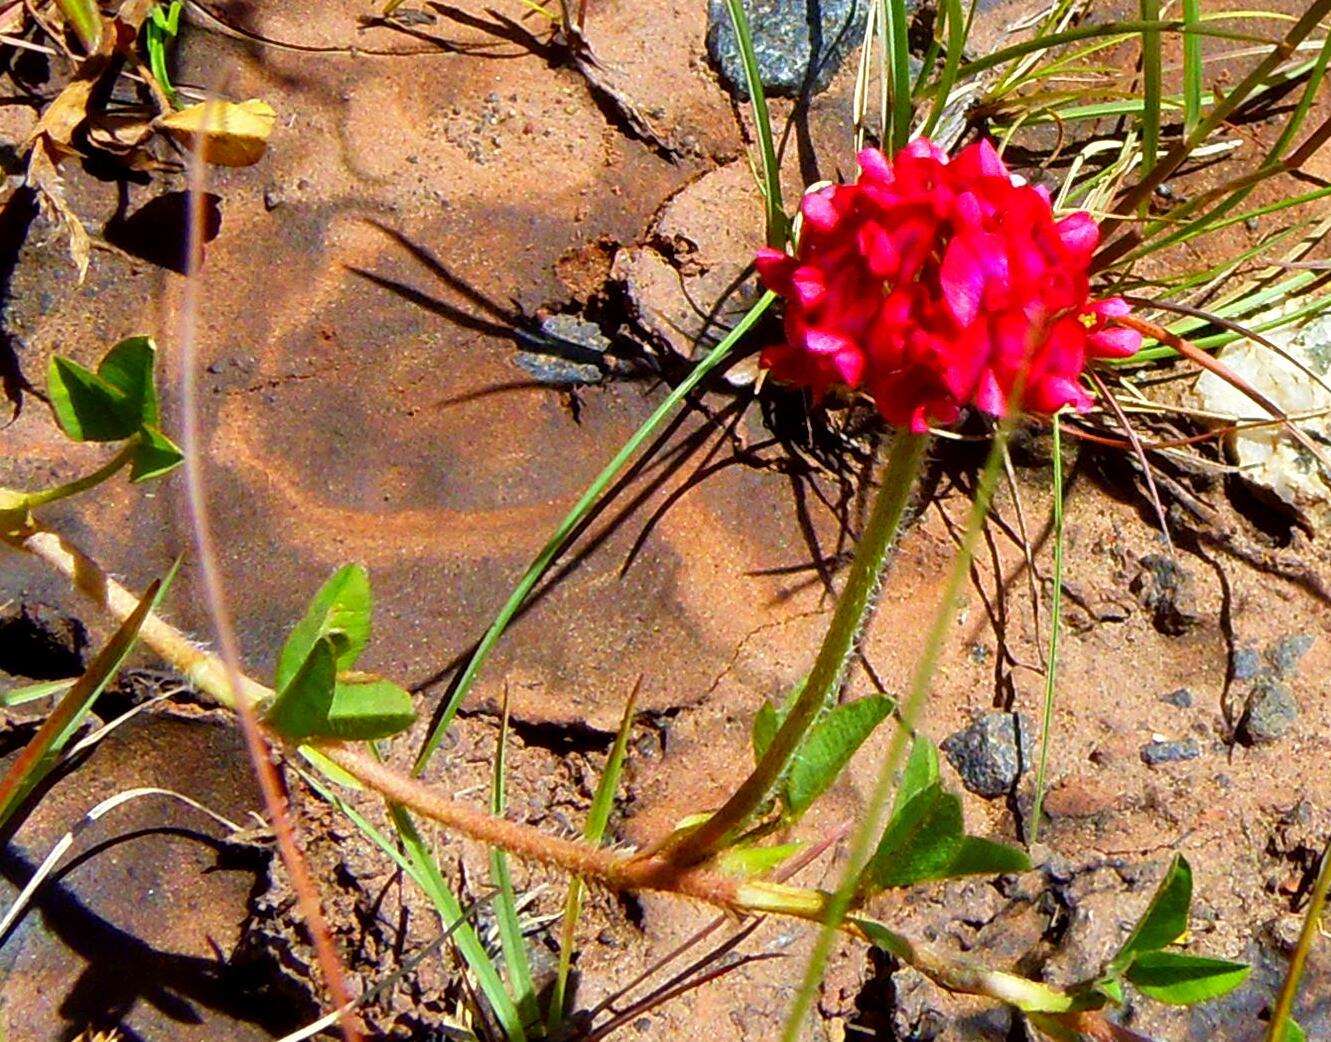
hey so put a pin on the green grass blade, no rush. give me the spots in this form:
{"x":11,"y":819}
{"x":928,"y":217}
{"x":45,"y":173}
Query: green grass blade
{"x":505,"y":903}
{"x":41,"y":753}
{"x":426,"y":872}
{"x":1151,"y":88}
{"x":1192,"y":66}
{"x":592,"y":831}
{"x":897,"y":22}
{"x":954,"y":20}
{"x":555,"y":545}
{"x":1055,"y":630}
{"x":777,"y":226}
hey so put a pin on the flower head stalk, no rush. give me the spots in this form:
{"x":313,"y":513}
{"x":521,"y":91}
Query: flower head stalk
{"x":934,"y":284}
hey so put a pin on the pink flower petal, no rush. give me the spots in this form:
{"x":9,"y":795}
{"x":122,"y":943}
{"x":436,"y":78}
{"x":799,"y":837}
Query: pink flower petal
{"x":774,"y":268}
{"x":1111,"y":307}
{"x":962,"y":280}
{"x":874,"y":166}
{"x":819,"y":210}
{"x":989,"y":395}
{"x":1114,"y":342}
{"x":879,"y":250}
{"x":849,"y":364}
{"x":1079,"y":233}
{"x":808,"y":285}
{"x":825,"y":342}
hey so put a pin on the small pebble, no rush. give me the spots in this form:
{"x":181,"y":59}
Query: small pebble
{"x":986,"y":754}
{"x":1157,"y":751}
{"x":1180,"y":697}
{"x":1271,"y":711}
{"x":1285,"y":653}
{"x":1246,"y":663}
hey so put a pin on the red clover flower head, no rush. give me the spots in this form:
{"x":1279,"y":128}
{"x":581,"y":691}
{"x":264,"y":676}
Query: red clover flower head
{"x":934,"y":284}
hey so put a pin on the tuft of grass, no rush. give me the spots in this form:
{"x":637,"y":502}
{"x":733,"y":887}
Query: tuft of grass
{"x":593,"y":831}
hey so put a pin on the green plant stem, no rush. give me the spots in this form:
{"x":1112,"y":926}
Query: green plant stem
{"x":872,"y":819}
{"x":404,"y":792}
{"x":774,"y":210}
{"x":848,"y":618}
{"x":1312,"y":924}
{"x":1055,"y":630}
{"x":555,"y":545}
{"x":73,"y":488}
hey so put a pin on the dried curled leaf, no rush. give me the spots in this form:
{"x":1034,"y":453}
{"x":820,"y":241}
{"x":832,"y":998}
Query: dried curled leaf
{"x":231,"y":133}
{"x":45,"y":180}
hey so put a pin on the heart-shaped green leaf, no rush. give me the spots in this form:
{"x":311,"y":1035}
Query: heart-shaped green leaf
{"x":363,"y":710}
{"x":112,"y":403}
{"x":340,"y":612}
{"x":828,"y":747}
{"x":921,"y":772}
{"x":925,"y":841}
{"x":156,"y":455}
{"x":303,"y":703}
{"x":1181,"y":979}
{"x":1165,"y":919}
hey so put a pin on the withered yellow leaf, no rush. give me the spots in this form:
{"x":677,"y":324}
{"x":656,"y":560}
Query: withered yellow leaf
{"x":230,"y":133}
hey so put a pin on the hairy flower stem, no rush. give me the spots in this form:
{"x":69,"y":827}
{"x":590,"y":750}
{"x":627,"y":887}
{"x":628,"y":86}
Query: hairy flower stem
{"x":852,"y":610}
{"x":874,"y":815}
{"x":608,"y":867}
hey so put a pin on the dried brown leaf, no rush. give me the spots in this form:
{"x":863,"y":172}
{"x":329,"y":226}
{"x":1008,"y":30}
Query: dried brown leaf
{"x":45,"y":180}
{"x":231,"y":133}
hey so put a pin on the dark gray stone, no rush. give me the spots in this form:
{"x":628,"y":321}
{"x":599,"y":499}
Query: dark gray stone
{"x":574,"y":330}
{"x":1180,"y":697}
{"x":1165,"y":587}
{"x":1156,"y":752}
{"x":1247,"y":663}
{"x":798,"y":44}
{"x":1285,"y":653}
{"x":1271,"y":711}
{"x":559,"y":372}
{"x":986,"y":754}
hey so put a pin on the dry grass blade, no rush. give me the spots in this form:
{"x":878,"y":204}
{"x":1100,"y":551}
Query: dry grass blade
{"x":1205,"y":361}
{"x":270,"y":785}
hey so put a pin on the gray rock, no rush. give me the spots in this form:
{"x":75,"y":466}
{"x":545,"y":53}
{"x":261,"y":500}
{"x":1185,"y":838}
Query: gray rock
{"x":576,"y":331}
{"x":797,"y":43}
{"x":1165,"y":587}
{"x":1180,"y":697}
{"x":1156,"y":752}
{"x":559,"y":372}
{"x":986,"y":754}
{"x":1246,"y":662}
{"x":571,"y":351}
{"x":1271,"y":711}
{"x":1285,"y":653}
